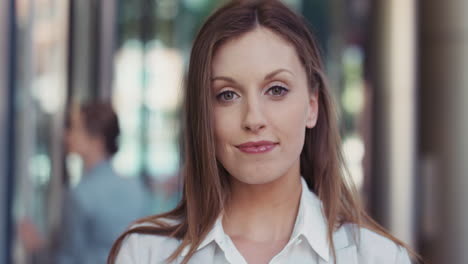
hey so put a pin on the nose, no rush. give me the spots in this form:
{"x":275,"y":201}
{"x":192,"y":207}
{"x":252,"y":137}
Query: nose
{"x":254,"y":119}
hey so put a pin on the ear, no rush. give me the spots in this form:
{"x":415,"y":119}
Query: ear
{"x":313,"y":108}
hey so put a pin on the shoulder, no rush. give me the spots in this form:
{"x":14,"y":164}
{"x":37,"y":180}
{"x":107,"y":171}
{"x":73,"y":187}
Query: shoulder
{"x":85,"y":187}
{"x":79,"y":197}
{"x":373,"y":240}
{"x":104,"y":183}
{"x":371,"y":247}
{"x":145,"y":248}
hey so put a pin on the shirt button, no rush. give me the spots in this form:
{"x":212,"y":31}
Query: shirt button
{"x":299,"y":241}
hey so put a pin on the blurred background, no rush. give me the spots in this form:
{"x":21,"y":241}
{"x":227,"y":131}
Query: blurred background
{"x":397,"y":69}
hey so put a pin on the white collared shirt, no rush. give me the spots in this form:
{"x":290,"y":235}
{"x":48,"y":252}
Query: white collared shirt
{"x":308,"y":243}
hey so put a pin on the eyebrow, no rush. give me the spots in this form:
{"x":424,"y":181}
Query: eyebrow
{"x":267,"y":77}
{"x":274,"y":73}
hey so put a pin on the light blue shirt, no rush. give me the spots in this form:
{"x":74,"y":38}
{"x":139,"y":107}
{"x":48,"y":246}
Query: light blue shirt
{"x":96,"y":212}
{"x":308,"y":243}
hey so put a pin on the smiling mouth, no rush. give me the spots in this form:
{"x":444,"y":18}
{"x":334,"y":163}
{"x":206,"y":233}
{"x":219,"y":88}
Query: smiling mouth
{"x":257,"y":147}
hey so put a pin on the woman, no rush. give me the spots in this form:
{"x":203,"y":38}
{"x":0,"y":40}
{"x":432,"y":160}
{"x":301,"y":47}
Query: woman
{"x":263,"y":176}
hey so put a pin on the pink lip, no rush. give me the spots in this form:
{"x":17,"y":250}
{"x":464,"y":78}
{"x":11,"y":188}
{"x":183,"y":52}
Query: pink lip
{"x":257,"y":147}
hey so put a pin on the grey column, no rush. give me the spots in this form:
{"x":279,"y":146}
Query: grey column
{"x":83,"y":65}
{"x":444,"y":127}
{"x":5,"y":161}
{"x":93,"y":36}
{"x":107,"y":47}
{"x":392,"y":72}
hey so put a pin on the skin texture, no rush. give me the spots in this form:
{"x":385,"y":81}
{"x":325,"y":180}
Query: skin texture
{"x":261,"y":92}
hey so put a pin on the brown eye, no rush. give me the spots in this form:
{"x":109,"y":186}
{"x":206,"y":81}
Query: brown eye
{"x":277,"y":91}
{"x":227,"y":96}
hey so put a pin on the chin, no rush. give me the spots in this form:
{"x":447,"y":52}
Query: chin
{"x":256,"y":176}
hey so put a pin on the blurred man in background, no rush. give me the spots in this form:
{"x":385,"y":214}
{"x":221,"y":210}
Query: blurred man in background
{"x":103,"y":204}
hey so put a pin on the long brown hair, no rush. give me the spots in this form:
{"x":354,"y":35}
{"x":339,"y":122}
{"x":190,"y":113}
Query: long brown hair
{"x":206,"y":182}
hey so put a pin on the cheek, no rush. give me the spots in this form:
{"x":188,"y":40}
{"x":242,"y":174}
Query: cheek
{"x":226,"y":123}
{"x":71,"y":139}
{"x":289,"y":120}
{"x":78,"y":142}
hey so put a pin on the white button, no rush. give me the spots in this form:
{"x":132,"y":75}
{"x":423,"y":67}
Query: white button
{"x":298,"y":241}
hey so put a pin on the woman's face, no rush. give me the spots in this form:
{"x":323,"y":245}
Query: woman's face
{"x":262,"y":106}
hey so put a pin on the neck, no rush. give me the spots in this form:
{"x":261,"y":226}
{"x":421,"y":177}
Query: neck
{"x":92,"y":159}
{"x":264,"y":212}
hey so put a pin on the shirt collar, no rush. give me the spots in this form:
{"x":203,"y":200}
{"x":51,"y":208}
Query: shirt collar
{"x":101,"y":168}
{"x":216,"y":233}
{"x":310,"y":223}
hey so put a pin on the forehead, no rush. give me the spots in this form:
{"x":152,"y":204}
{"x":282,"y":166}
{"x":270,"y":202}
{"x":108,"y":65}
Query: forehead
{"x":258,"y":51}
